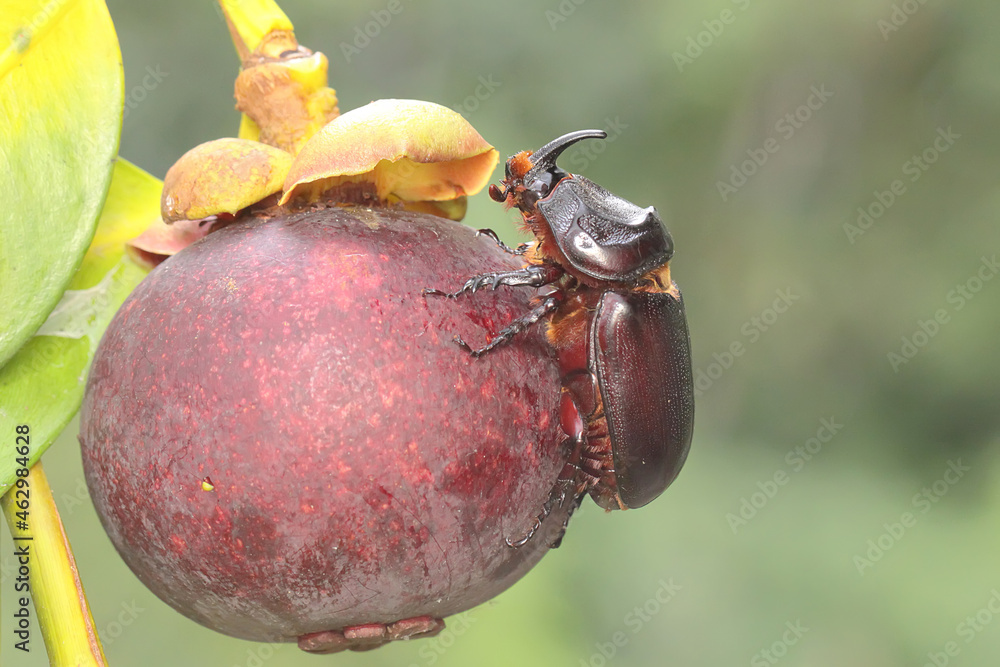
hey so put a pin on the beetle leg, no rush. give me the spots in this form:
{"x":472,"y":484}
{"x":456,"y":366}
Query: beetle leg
{"x":517,"y":544}
{"x":519,"y":250}
{"x":566,"y":487}
{"x":545,"y":308}
{"x":530,"y":276}
{"x":562,"y":531}
{"x":557,"y":498}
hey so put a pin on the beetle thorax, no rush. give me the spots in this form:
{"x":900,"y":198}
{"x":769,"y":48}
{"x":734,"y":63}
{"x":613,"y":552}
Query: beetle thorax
{"x":549,"y":249}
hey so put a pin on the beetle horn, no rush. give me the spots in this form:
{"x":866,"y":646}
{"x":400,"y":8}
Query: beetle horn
{"x":545,"y":157}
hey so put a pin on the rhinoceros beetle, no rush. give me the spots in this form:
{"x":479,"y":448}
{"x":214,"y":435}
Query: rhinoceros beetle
{"x":616,"y":321}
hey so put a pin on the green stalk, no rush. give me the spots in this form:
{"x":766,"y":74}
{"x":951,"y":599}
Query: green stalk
{"x":63,"y":613}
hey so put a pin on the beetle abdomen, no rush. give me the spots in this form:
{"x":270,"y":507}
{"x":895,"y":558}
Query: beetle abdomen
{"x":641,"y":352}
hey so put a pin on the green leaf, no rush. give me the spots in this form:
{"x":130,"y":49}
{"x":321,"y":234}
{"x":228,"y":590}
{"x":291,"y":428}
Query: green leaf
{"x":42,"y":386}
{"x":61,"y":101}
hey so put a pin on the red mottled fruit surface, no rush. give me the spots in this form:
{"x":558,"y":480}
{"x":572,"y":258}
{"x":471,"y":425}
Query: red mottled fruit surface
{"x":281,"y":437}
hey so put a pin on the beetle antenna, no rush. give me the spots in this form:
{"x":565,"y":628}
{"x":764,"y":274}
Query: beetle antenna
{"x":545,"y":157}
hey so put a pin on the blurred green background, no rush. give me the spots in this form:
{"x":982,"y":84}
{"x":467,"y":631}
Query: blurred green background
{"x":873,"y":549}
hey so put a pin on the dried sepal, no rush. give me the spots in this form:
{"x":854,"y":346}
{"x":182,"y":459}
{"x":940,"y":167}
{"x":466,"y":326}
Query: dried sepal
{"x":161,"y":240}
{"x":222,"y":176}
{"x":407,"y":150}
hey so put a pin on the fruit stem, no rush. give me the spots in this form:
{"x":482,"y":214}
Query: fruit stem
{"x":250,"y":21}
{"x":63,"y":613}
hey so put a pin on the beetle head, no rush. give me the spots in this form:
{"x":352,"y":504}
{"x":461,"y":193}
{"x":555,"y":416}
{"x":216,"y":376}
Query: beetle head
{"x":600,"y":235}
{"x":532,"y":176}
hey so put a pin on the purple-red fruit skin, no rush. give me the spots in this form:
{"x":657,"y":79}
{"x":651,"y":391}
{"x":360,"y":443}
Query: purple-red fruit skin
{"x":363,"y":468}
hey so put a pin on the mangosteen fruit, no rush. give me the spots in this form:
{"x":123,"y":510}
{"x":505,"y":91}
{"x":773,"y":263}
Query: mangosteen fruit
{"x":284,"y":443}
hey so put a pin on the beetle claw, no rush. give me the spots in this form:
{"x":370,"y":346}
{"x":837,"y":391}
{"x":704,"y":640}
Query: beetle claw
{"x":529,"y":276}
{"x":547,"y":509}
{"x":475,"y":353}
{"x":517,"y":544}
{"x":474,"y":284}
{"x":557,"y":498}
{"x":431,"y":291}
{"x":519,"y":250}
